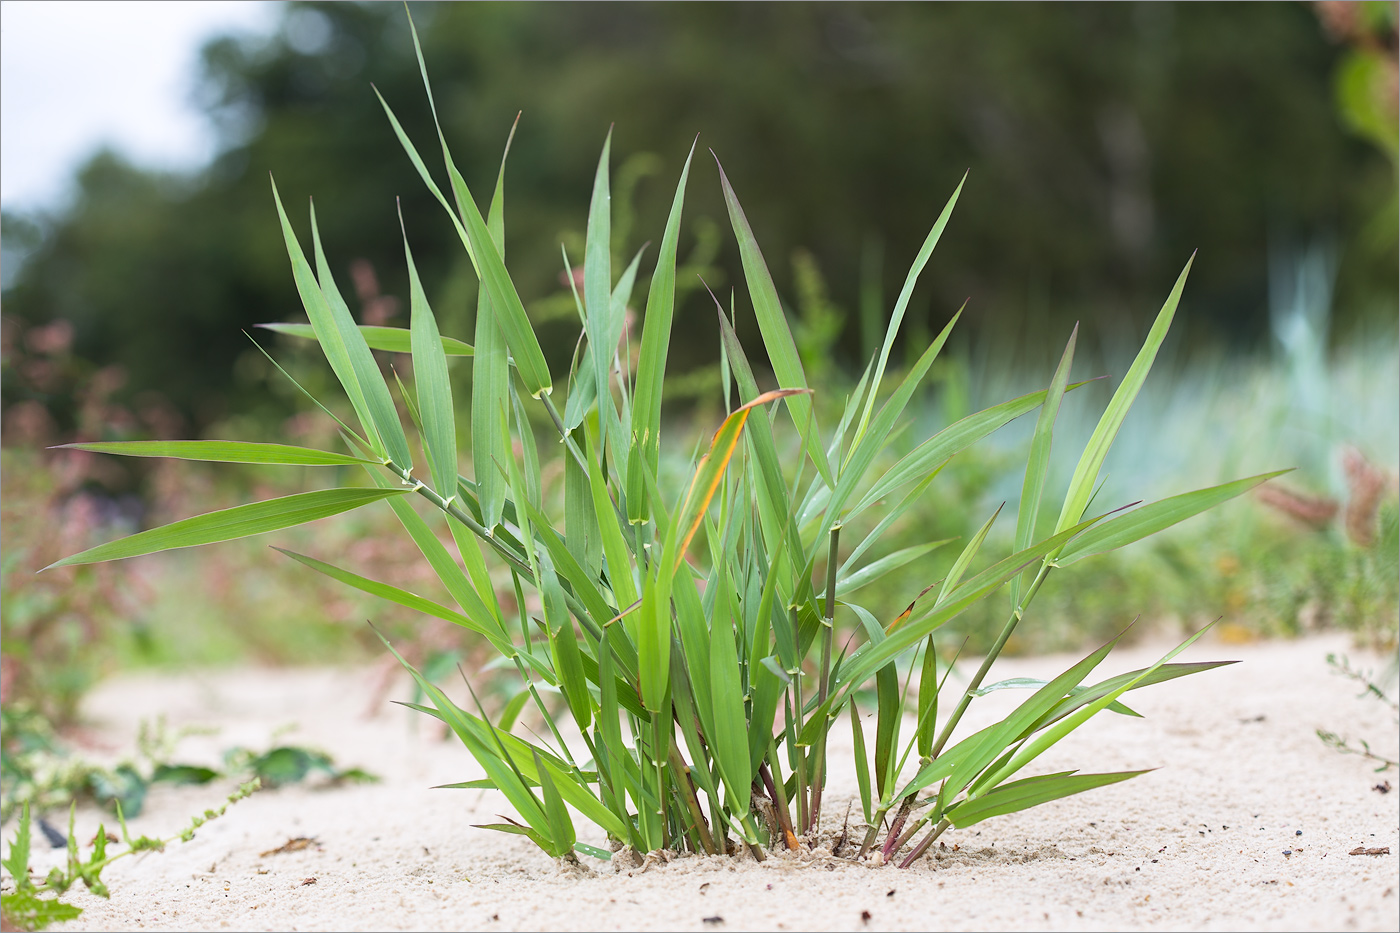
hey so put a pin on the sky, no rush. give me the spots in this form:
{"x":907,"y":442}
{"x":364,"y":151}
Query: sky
{"x":77,"y":74}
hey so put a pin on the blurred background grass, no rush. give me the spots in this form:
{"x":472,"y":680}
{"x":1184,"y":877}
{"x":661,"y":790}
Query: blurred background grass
{"x":1105,"y":143}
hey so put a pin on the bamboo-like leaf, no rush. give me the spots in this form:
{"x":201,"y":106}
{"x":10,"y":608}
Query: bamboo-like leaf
{"x":908,"y":630}
{"x":644,"y":448}
{"x":889,"y":712}
{"x":890,"y":517}
{"x":928,"y":699}
{"x":897,"y":317}
{"x":222,"y":452}
{"x":1033,"y":683}
{"x":326,"y":327}
{"x":371,"y":381}
{"x":388,"y":339}
{"x":615,"y":551}
{"x":560,"y":823}
{"x":1038,"y":463}
{"x":959,"y":567}
{"x":435,"y":408}
{"x":393,"y":594}
{"x":489,"y":264}
{"x":957,"y":436}
{"x":1149,"y":519}
{"x":890,"y":562}
{"x":597,"y":277}
{"x":1031,"y":792}
{"x":654,"y":640}
{"x":862,"y":761}
{"x":865,"y":450}
{"x":491,"y":374}
{"x":467,"y":728}
{"x":1081,"y":485}
{"x":729,"y":738}
{"x":254,"y":518}
{"x":1145,"y":677}
{"x":772,"y":323}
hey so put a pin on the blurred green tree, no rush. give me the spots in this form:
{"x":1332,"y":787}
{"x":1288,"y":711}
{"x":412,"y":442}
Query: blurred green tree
{"x":1105,"y":142}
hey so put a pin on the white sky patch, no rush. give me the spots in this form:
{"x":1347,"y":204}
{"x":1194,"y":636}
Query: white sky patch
{"x":75,"y":76}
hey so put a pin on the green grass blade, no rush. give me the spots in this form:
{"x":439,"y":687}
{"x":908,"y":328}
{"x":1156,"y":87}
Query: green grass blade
{"x":654,"y":640}
{"x":490,"y":375}
{"x":371,"y":381}
{"x":955,"y":574}
{"x":222,"y":452}
{"x":772,"y":323}
{"x":597,"y":277}
{"x":864,"y":451}
{"x":862,"y":761}
{"x":457,"y":583}
{"x":326,"y":327}
{"x":890,"y":562}
{"x":393,"y":594}
{"x":1145,"y":677}
{"x":928,"y":699}
{"x":1038,"y":463}
{"x":1049,"y":736}
{"x":254,"y":518}
{"x":388,"y":339}
{"x":469,"y":731}
{"x":957,"y":436}
{"x":1081,"y":485}
{"x":729,"y":738}
{"x":1149,"y":519}
{"x":897,"y":317}
{"x":505,"y":300}
{"x":891,"y":516}
{"x":619,"y":562}
{"x":1031,"y":792}
{"x":561,"y":825}
{"x":644,"y":449}
{"x":434,"y":388}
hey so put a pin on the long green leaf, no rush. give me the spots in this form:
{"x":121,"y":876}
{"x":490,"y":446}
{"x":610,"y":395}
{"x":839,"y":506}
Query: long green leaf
{"x":240,"y":521}
{"x":772,"y":323}
{"x":1031,"y":792}
{"x":388,"y":591}
{"x":327,"y":329}
{"x":488,"y":262}
{"x":897,"y":317}
{"x":371,"y":381}
{"x":388,"y":339}
{"x":491,"y":375}
{"x":222,"y":452}
{"x":867,"y":447}
{"x":645,"y":446}
{"x":1147,"y":520}
{"x":890,"y":562}
{"x":597,"y":277}
{"x":957,"y":436}
{"x":729,"y":739}
{"x":1086,"y":472}
{"x":1037,"y":465}
{"x":434,"y":388}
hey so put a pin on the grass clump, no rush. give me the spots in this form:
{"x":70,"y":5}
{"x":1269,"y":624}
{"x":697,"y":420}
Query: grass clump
{"x":693,"y":634}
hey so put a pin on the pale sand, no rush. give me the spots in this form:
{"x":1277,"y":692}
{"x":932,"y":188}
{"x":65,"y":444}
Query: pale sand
{"x":1198,"y":844}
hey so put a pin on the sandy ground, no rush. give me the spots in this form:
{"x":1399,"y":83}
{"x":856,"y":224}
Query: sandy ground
{"x":1203,"y":843}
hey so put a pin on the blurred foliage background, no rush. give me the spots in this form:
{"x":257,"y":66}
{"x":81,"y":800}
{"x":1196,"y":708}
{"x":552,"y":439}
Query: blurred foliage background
{"x":1104,"y":143}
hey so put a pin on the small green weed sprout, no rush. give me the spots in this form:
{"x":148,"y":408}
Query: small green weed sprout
{"x":693,"y":637}
{"x":34,"y":905}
